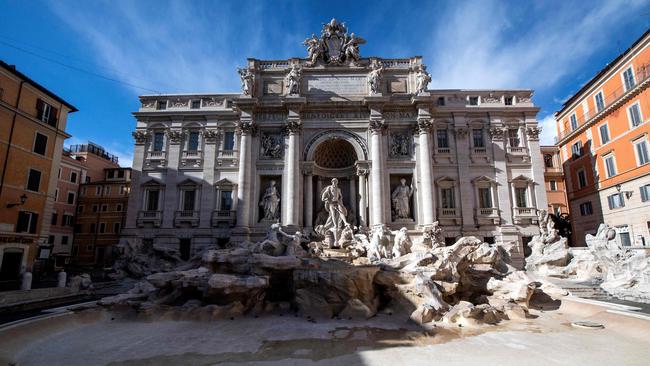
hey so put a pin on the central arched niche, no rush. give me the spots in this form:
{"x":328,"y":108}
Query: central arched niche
{"x":335,"y":154}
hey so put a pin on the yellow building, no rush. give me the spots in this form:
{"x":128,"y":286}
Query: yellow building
{"x":32,"y":131}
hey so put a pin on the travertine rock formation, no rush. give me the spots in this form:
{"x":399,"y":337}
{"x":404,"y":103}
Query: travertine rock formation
{"x":470,"y":282}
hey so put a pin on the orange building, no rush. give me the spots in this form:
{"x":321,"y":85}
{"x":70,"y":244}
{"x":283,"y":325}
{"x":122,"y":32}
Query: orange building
{"x":32,"y":131}
{"x":101,"y":214}
{"x":605,"y":149}
{"x":554,"y":181}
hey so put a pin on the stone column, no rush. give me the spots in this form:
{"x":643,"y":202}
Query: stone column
{"x":362,"y":172}
{"x":245,"y":130}
{"x":426,"y":177}
{"x":537,"y":166}
{"x":504,"y":199}
{"x":309,"y":197}
{"x":353,"y":196}
{"x":135,"y":195}
{"x":207,"y":204}
{"x":290,"y":185}
{"x":376,"y":173}
{"x":170,"y":203}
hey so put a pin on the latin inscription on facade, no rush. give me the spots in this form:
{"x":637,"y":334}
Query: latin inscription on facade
{"x":334,"y":84}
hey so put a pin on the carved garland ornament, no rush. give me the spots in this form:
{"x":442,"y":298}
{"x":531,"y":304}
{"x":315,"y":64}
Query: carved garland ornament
{"x":211,"y":135}
{"x":175,"y":136}
{"x":497,"y":133}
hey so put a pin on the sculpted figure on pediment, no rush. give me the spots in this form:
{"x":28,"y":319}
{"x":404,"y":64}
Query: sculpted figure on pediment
{"x":423,"y":78}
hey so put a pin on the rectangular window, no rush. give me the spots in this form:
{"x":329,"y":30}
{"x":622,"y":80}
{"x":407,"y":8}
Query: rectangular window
{"x":443,"y":138}
{"x":92,"y":228}
{"x":107,"y":190}
{"x":120,"y":173}
{"x":122,"y":190}
{"x":34,"y":180}
{"x":98,"y":191}
{"x":616,"y":200}
{"x":70,"y":199}
{"x":188,"y":200}
{"x":55,"y":218}
{"x":477,"y":137}
{"x":64,"y":240}
{"x":508,"y":100}
{"x":582,"y":179}
{"x":600,"y":101}
{"x":520,"y":197}
{"x":574,"y":122}
{"x":161,"y":105}
{"x":46,"y":113}
{"x":193,"y":141}
{"x":67,"y":220}
{"x":56,"y":195}
{"x":228,"y":140}
{"x":610,"y":166}
{"x":95,"y":208}
{"x":152,"y":200}
{"x":440,"y":101}
{"x":642,"y":152}
{"x":645,"y":193}
{"x":226,"y":201}
{"x":473,"y":100}
{"x":80,"y":209}
{"x":102,"y":227}
{"x":27,"y":222}
{"x":634,"y":114}
{"x":586,"y":209}
{"x":447,"y":198}
{"x":118,"y":207}
{"x":628,"y":78}
{"x":117,"y":227}
{"x":196,"y":104}
{"x":513,"y":137}
{"x":73,"y":177}
{"x":604,"y":134}
{"x":50,"y":239}
{"x":485,"y":198}
{"x":40,"y":144}
{"x":553,"y":185}
{"x":104,"y":208}
{"x":110,"y":174}
{"x":576,"y":149}
{"x":158,"y":141}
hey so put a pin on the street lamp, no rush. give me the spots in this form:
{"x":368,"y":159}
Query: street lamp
{"x":23,"y":199}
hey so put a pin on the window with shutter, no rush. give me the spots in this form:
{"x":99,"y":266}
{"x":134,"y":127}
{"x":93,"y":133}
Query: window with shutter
{"x":34,"y":180}
{"x":40,"y":144}
{"x":33,"y":221}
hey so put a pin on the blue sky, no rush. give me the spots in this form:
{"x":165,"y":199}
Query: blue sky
{"x":553,"y":47}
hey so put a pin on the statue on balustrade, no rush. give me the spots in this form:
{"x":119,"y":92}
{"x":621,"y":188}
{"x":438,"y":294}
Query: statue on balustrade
{"x":401,"y":197}
{"x":271,"y":202}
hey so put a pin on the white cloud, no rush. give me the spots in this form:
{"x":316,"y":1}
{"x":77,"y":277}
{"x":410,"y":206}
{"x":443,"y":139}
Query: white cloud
{"x":549,"y":130}
{"x":478,"y":46}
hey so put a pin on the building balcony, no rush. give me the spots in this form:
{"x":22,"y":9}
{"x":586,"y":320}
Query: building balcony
{"x":191,"y":159}
{"x":449,"y":216}
{"x":518,"y":150}
{"x":517,"y":154}
{"x":443,"y":151}
{"x":186,"y":217}
{"x":227,"y":157}
{"x":149,"y":217}
{"x":223,"y":218}
{"x":487,"y":216}
{"x":524,"y":215}
{"x":155,"y":159}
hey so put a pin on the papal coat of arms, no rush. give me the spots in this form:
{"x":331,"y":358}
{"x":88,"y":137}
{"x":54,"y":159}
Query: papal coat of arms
{"x":334,"y":47}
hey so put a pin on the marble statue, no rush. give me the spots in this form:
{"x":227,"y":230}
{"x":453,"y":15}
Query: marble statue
{"x":295,"y":247}
{"x":346,"y":238}
{"x":321,"y":217}
{"x":314,"y":49}
{"x":271,"y":245}
{"x":374,"y":78}
{"x":271,"y":146}
{"x":402,"y":243}
{"x":400,"y":198}
{"x":548,"y":233}
{"x":380,"y":242}
{"x":271,"y":202}
{"x":292,"y":80}
{"x":423,"y":78}
{"x":432,"y":236}
{"x":333,"y":201}
{"x":247,"y":80}
{"x":351,"y":48}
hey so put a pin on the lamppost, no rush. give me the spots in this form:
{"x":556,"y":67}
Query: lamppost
{"x":23,"y":199}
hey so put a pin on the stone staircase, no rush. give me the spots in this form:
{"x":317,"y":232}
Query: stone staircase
{"x":593,"y":292}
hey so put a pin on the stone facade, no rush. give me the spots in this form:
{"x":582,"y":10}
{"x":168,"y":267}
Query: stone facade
{"x":203,"y":163}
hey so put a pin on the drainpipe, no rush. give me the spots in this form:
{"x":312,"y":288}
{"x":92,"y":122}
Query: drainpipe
{"x":11,"y":135}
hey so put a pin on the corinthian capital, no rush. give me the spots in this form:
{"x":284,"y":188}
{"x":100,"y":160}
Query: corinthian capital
{"x":245,"y":127}
{"x":533,"y":133}
{"x":292,"y":126}
{"x":140,"y":136}
{"x":376,"y":125}
{"x":424,"y":125}
{"x":211,"y":136}
{"x":175,"y":136}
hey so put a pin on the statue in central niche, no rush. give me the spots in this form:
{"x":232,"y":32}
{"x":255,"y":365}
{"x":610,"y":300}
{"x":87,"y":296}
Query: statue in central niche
{"x":270,"y":202}
{"x":333,"y":201}
{"x":401,"y":196}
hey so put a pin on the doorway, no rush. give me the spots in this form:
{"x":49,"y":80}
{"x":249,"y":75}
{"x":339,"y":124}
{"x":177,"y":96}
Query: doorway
{"x":11,"y":262}
{"x":185,"y":246}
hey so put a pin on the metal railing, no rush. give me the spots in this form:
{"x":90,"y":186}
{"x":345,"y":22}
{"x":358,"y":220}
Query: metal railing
{"x":642,"y":74}
{"x":93,"y":149}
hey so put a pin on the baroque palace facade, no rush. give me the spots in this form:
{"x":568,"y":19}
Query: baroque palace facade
{"x":209,"y":169}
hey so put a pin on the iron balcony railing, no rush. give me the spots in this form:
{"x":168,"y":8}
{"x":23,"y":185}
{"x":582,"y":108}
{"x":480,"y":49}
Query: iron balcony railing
{"x":642,"y":74}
